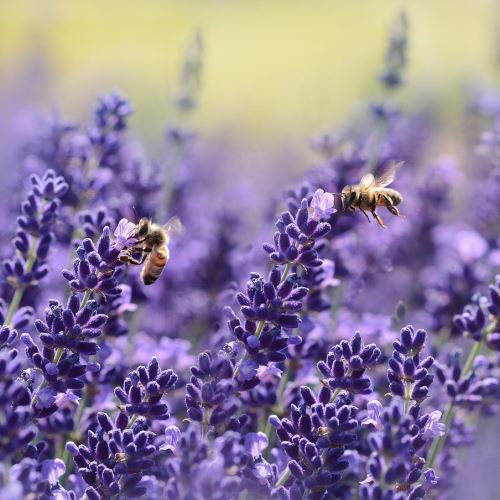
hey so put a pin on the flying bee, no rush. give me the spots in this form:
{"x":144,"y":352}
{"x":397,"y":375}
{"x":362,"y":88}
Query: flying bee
{"x":373,"y":192}
{"x":152,"y":243}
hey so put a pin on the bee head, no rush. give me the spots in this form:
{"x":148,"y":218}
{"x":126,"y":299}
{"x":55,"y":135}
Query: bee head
{"x":349,"y":196}
{"x":143,"y":228}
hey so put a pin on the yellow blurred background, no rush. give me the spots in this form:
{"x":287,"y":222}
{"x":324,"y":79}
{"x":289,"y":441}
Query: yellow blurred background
{"x":273,"y":70}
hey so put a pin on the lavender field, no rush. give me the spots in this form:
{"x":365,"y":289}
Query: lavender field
{"x":185,"y":314}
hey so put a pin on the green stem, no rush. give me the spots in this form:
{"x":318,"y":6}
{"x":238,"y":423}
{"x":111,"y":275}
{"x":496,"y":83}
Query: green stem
{"x":14,"y":305}
{"x":438,"y":444}
{"x":268,"y":428}
{"x":64,"y":453}
{"x":286,"y":271}
{"x":407,"y":397}
{"x":260,"y":327}
{"x":132,"y":421}
{"x":81,"y":408}
{"x":283,"y":478}
{"x":204,"y":424}
{"x":18,"y":295}
{"x":468,"y":367}
{"x":469,"y":364}
{"x":335,"y":394}
{"x":85,"y":299}
{"x":66,"y":458}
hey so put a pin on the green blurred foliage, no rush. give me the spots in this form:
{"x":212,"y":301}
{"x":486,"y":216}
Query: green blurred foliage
{"x":274,"y":70}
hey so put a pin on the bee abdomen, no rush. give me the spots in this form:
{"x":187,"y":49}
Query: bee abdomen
{"x":160,"y":256}
{"x":154,"y":265}
{"x":149,"y":279}
{"x":150,"y":274}
{"x":395,"y":196}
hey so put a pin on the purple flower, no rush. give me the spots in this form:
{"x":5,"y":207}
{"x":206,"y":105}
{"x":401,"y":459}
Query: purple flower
{"x":248,"y":369}
{"x":143,"y":390}
{"x":17,"y":426}
{"x":470,"y":245}
{"x":34,"y":234}
{"x":46,"y":398}
{"x":111,"y":111}
{"x":374,"y":410}
{"x":396,"y":460}
{"x":433,"y":428}
{"x":269,"y":372}
{"x":123,"y":303}
{"x":66,"y":399}
{"x":322,"y":205}
{"x":408,"y":373}
{"x":297,"y":240}
{"x":125,"y":235}
{"x":273,"y":404}
{"x":256,"y":443}
{"x":430,"y":479}
{"x":328,"y":279}
{"x":346,"y":364}
{"x":115,"y":457}
{"x":53,"y":470}
{"x":262,"y":471}
{"x":210,"y":391}
{"x":172,"y":438}
{"x":315,"y":438}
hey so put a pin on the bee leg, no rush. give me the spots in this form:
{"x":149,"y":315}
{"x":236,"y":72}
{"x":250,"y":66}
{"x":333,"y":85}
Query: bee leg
{"x":127,"y":259}
{"x":378,"y":219}
{"x":365,"y":214}
{"x":394,"y":210}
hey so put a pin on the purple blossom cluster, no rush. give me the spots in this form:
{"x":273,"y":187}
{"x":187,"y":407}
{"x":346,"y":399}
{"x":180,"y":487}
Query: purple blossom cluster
{"x":288,"y":373}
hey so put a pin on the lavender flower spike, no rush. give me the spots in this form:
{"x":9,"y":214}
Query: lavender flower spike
{"x":34,"y":236}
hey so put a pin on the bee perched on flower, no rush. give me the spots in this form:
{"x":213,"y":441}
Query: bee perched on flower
{"x":148,"y":239}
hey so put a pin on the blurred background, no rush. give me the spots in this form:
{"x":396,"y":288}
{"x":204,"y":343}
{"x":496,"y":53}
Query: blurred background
{"x":274,"y":72}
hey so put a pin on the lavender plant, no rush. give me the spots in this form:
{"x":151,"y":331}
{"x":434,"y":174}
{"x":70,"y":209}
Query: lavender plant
{"x":298,"y":379}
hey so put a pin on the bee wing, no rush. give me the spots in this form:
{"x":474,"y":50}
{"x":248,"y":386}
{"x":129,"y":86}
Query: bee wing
{"x":366,"y":181}
{"x":387,"y":177}
{"x":174,"y":226}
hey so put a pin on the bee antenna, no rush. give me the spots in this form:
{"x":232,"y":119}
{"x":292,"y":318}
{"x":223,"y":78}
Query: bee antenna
{"x":135,"y":212}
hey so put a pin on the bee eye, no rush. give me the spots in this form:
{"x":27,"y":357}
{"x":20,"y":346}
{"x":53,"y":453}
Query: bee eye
{"x":352,"y":197}
{"x":142,"y":229}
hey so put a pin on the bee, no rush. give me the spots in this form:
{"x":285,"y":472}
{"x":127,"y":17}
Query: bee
{"x":152,"y":243}
{"x":373,"y":192}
